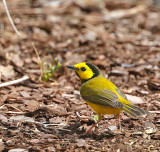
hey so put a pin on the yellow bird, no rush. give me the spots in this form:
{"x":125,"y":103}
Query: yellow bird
{"x":101,"y":94}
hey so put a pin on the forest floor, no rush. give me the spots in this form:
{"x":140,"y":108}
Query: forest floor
{"x":121,"y":37}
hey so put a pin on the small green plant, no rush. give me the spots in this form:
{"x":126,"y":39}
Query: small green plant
{"x":95,"y":117}
{"x":48,"y":70}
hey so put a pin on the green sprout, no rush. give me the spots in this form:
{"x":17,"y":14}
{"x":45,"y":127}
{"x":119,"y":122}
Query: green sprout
{"x":95,"y":117}
{"x":48,"y":70}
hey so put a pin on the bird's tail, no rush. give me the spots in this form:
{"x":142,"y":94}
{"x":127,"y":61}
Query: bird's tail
{"x":134,"y":110}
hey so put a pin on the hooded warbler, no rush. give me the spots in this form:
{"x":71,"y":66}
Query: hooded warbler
{"x":101,"y":94}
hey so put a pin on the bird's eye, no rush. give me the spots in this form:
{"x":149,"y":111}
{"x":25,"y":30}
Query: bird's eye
{"x":83,"y":69}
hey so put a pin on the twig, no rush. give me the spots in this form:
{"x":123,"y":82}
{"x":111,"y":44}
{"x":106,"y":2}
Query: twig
{"x":10,"y":19}
{"x":46,"y":125}
{"x":35,"y":11}
{"x":13,"y":107}
{"x":157,"y":112}
{"x":1,"y":107}
{"x":14,"y":112}
{"x":85,"y":117}
{"x":64,"y":129}
{"x":118,"y":14}
{"x":39,"y":59}
{"x":14,"y":81}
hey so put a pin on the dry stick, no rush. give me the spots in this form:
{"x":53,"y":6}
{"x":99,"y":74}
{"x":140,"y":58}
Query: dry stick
{"x":85,"y":117}
{"x":14,"y":81}
{"x":118,"y":14}
{"x":10,"y":19}
{"x":157,"y":112}
{"x":14,"y":107}
{"x":13,"y":112}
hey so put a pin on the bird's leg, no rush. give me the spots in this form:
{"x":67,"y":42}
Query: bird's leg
{"x":99,"y":119}
{"x":119,"y":122}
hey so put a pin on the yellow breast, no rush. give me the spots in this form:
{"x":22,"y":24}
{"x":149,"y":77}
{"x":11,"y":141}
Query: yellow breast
{"x":99,"y":109}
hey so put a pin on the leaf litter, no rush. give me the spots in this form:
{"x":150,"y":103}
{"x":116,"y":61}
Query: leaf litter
{"x":121,"y":37}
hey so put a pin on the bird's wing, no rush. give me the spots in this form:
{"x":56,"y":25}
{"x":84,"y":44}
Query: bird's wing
{"x":103,"y":97}
{"x":121,"y":94}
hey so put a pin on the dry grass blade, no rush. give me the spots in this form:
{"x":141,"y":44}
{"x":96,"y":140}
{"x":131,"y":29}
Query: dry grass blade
{"x":39,"y":59}
{"x":10,"y":19}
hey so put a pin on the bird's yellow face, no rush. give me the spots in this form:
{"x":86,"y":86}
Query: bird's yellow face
{"x":85,"y":70}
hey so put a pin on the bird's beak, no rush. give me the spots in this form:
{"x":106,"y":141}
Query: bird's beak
{"x":71,"y":67}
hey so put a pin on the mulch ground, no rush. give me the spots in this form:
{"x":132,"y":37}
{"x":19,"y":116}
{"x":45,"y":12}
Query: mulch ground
{"x":121,"y":37}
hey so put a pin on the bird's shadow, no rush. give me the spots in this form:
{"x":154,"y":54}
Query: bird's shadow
{"x":97,"y":134}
